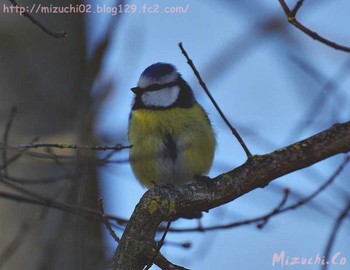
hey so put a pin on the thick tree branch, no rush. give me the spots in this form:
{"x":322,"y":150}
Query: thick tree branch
{"x":164,"y":203}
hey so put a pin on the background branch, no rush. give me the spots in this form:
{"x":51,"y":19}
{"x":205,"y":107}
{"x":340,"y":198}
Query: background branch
{"x":63,"y":34}
{"x":116,"y":147}
{"x":292,"y":19}
{"x":334,"y":232}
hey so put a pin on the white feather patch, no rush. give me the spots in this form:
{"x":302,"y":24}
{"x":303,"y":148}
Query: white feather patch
{"x":161,"y":98}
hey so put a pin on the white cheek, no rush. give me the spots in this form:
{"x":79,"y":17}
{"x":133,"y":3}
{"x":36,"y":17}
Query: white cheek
{"x":161,"y":98}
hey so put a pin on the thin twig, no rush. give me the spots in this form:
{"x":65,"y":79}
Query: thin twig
{"x":329,"y":87}
{"x":164,"y":264}
{"x":17,"y":156}
{"x":261,"y":224}
{"x":38,"y":181}
{"x":205,"y":88}
{"x":159,"y":246}
{"x":40,"y":25}
{"x":74,"y":161}
{"x":296,"y":8}
{"x":264,"y":219}
{"x":13,"y":246}
{"x":334,"y":232}
{"x":6,"y":135}
{"x":37,"y":199}
{"x":116,"y":147}
{"x":106,"y":222}
{"x":291,"y":16}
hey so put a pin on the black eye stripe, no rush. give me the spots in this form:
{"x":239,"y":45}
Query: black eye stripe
{"x":154,"y":87}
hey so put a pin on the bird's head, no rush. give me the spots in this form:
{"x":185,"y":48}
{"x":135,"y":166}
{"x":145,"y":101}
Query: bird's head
{"x":161,"y":86}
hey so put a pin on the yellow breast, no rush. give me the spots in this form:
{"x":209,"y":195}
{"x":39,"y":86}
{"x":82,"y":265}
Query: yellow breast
{"x":195,"y":144}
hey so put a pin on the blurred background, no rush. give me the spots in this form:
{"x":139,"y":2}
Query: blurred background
{"x":274,"y":83}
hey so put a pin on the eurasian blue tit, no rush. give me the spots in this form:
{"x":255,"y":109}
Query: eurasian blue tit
{"x":172,"y":137}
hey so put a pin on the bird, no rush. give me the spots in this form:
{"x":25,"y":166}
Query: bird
{"x":173,"y":141}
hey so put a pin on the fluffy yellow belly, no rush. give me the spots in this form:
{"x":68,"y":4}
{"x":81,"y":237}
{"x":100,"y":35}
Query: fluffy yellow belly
{"x":193,"y":145}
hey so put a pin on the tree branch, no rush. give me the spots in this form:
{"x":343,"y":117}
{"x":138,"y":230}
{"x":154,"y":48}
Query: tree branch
{"x":206,"y":90}
{"x":116,"y":147}
{"x":40,"y":25}
{"x":334,"y":233}
{"x":277,"y":211}
{"x":162,"y":203}
{"x":291,"y":16}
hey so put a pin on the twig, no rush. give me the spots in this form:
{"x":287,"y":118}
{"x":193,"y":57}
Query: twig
{"x":106,"y":222}
{"x":16,"y":243}
{"x":264,"y":219}
{"x":159,"y":260}
{"x":12,"y":247}
{"x":17,"y":156}
{"x":205,"y":88}
{"x":40,"y":25}
{"x":37,"y":181}
{"x":74,"y":161}
{"x":184,"y":245}
{"x":159,"y":246}
{"x":334,"y":232}
{"x":165,"y":264}
{"x":321,"y":188}
{"x":116,"y":147}
{"x":37,"y":199}
{"x":274,"y":211}
{"x":291,"y":15}
{"x":329,"y":87}
{"x":5,"y":138}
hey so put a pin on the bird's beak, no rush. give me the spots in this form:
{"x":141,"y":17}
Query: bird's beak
{"x":136,"y":89}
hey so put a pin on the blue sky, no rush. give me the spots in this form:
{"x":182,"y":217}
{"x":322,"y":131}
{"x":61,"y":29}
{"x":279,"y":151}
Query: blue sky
{"x":253,"y":76}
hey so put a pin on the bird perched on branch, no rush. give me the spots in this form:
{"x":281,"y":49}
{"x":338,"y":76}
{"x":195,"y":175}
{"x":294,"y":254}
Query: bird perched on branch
{"x":172,"y":137}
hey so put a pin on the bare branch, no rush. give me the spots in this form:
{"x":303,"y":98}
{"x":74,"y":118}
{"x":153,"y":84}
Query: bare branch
{"x":162,"y":203}
{"x":5,"y":139}
{"x":330,"y":87}
{"x":164,"y":264}
{"x":36,"y":199}
{"x":159,"y":246}
{"x":40,"y":25}
{"x":116,"y":147}
{"x":334,"y":232}
{"x":38,"y":181}
{"x":292,"y":19}
{"x":274,"y":211}
{"x":205,"y":88}
{"x":106,"y":221}
{"x":278,"y":210}
{"x":17,"y":156}
{"x":12,"y":247}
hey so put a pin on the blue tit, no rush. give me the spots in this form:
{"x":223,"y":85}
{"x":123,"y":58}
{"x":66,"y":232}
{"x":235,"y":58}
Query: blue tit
{"x":172,"y":137}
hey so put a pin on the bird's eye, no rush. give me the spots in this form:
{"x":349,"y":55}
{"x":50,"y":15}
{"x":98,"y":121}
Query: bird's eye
{"x":154,"y":87}
{"x":157,"y":86}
